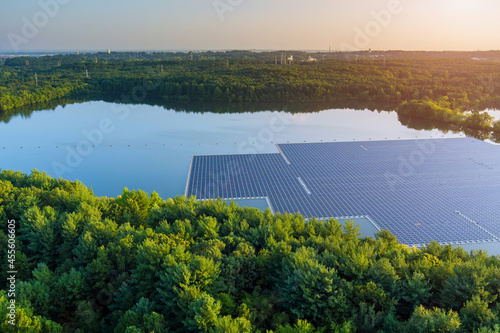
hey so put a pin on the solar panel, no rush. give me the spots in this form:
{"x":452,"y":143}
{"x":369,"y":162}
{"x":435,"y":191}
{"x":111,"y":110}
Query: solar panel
{"x":421,"y":190}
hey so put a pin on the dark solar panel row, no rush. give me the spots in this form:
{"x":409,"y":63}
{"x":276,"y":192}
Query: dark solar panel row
{"x":414,"y":188}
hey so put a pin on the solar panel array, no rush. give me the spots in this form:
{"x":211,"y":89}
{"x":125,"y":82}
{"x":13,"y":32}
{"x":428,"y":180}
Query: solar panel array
{"x":446,"y":190}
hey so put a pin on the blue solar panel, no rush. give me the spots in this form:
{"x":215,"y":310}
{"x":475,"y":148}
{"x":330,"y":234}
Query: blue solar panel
{"x":421,"y":190}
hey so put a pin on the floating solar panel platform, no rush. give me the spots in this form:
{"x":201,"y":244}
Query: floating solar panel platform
{"x":447,"y":190}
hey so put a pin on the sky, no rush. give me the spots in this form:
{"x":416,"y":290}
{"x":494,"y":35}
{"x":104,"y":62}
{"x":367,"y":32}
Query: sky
{"x":249,"y":24}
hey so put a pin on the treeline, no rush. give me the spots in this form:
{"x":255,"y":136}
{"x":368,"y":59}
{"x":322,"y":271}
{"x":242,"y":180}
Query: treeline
{"x":268,"y":56}
{"x":457,"y":84}
{"x":36,"y":84}
{"x":440,"y":111}
{"x":137,"y":263}
{"x":37,"y":95}
{"x":169,"y":56}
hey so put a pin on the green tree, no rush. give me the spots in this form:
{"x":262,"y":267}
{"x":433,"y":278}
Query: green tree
{"x":469,"y":279}
{"x":413,"y":292}
{"x":227,"y":324}
{"x":436,"y":320}
{"x":476,"y":314}
{"x":312,"y":291}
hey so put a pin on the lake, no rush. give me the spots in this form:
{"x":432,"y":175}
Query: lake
{"x":110,"y":146}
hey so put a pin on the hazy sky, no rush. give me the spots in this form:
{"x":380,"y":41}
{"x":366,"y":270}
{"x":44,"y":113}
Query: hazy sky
{"x":249,"y":24}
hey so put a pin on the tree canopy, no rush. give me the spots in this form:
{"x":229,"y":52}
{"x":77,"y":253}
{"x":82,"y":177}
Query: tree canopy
{"x":436,"y":87}
{"x":137,"y":263}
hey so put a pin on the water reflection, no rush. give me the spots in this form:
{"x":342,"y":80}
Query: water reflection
{"x":151,"y":147}
{"x":204,"y":107}
{"x":422,"y":124}
{"x":228,"y":108}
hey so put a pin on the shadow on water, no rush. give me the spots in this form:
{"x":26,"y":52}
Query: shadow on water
{"x":203,"y":107}
{"x":225,"y":107}
{"x":423,"y":124}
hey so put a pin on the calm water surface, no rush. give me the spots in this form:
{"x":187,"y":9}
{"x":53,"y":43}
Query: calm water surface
{"x":150,"y":148}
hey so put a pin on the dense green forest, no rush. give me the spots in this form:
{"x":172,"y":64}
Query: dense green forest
{"x":424,"y":85}
{"x":137,"y":263}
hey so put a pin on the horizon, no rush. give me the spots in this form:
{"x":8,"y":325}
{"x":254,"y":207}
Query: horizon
{"x":91,"y":51}
{"x":448,"y":25}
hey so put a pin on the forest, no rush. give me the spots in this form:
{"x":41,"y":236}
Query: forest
{"x":138,"y":263}
{"x":450,"y":89}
